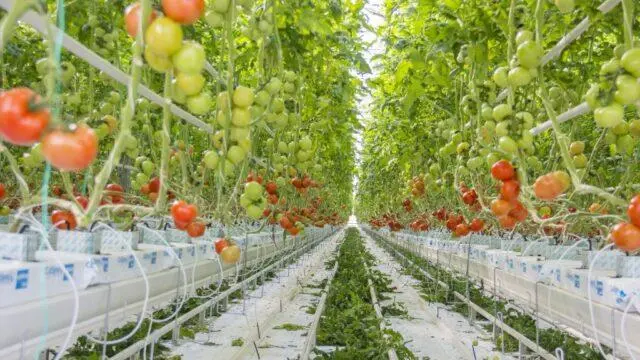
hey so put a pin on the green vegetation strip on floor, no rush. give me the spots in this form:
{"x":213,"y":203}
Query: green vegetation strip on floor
{"x":349,"y":320}
{"x":550,"y":338}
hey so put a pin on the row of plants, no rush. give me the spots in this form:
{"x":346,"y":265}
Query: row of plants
{"x":455,"y":137}
{"x":85,"y":349}
{"x":550,"y":338}
{"x":349,"y":321}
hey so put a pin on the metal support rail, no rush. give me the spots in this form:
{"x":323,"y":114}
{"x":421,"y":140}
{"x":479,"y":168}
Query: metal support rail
{"x":376,"y":306}
{"x":41,"y":23}
{"x":155,"y":336}
{"x":523,"y":340}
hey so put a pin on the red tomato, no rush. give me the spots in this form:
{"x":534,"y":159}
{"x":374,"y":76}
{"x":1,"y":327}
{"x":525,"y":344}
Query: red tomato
{"x":183,"y":11}
{"x":500,"y":207}
{"x":71,"y":150}
{"x":153,"y":196}
{"x":22,"y":118}
{"x":64,"y":220}
{"x":503,"y":170}
{"x":273,"y":199}
{"x":551,"y":185}
{"x":145,"y":189}
{"x":469,"y":197}
{"x":285,"y":223}
{"x":83,"y":201}
{"x":293,"y":231}
{"x":115,"y":191}
{"x":626,"y":237}
{"x":196,"y":229}
{"x":507,"y":221}
{"x":266,"y":212}
{"x":519,"y":212}
{"x":154,"y":185}
{"x":462,"y":230}
{"x":132,"y":18}
{"x":476,"y":225}
{"x":633,"y":211}
{"x":510,"y":190}
{"x":183,"y":213}
{"x":297,"y":182}
{"x":221,"y":244}
{"x":3,"y":191}
{"x":271,"y":188}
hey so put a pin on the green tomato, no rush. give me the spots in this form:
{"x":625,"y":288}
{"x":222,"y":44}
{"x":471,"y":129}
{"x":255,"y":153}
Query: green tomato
{"x":214,"y":19}
{"x":177,"y":94}
{"x":130,"y":141}
{"x":240,"y":133}
{"x":254,"y":212}
{"x":306,"y":143}
{"x":434,"y":169}
{"x":253,"y":190}
{"x":502,"y":111}
{"x":628,"y":90}
{"x":282,"y":120}
{"x":274,"y":86}
{"x":626,"y":144}
{"x":580,"y":161}
{"x":534,"y":163}
{"x":211,"y":159}
{"x":142,"y":178}
{"x":263,"y":98}
{"x":221,"y":6}
{"x":474,"y":163}
{"x":282,"y":147}
{"x":303,"y":156}
{"x":241,"y":117}
{"x":200,"y":104}
{"x":523,"y":36}
{"x":277,"y":105}
{"x":502,"y":129}
{"x":529,"y":54}
{"x":487,"y":112}
{"x":114,"y":97}
{"x":526,"y":118}
{"x":148,"y":167}
{"x":245,"y":201}
{"x":621,"y":129}
{"x":519,"y":76}
{"x":631,"y":61}
{"x":190,"y":59}
{"x":236,"y":154}
{"x":190,"y":84}
{"x":609,"y":116}
{"x":591,"y":97}
{"x":158,"y":63}
{"x":508,"y":145}
{"x":576,"y":147}
{"x":610,"y":138}
{"x":223,"y":119}
{"x":500,"y":77}
{"x":228,"y":168}
{"x":463,"y":147}
{"x":610,"y":67}
{"x":243,"y":97}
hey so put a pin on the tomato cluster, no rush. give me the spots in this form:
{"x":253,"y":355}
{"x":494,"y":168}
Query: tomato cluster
{"x":407,"y":205}
{"x":625,"y":235}
{"x":184,"y":217}
{"x":507,"y":207}
{"x":416,"y":185}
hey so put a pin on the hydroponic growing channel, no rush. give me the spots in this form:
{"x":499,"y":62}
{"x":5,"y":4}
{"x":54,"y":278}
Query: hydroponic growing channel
{"x":319,"y":179}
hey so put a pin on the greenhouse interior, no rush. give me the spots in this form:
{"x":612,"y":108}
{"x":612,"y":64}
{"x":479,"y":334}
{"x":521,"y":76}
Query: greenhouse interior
{"x":319,"y":179}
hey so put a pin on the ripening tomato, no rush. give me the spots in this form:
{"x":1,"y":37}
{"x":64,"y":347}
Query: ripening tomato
{"x":510,"y":190}
{"x":293,"y":231}
{"x":183,"y":212}
{"x":503,"y":170}
{"x":272,"y":188}
{"x":507,"y":222}
{"x":500,"y":207}
{"x":70,"y":150}
{"x":626,"y":237}
{"x":195,"y":229}
{"x":476,"y":225}
{"x":22,"y":116}
{"x":63,"y":219}
{"x":230,"y":254}
{"x":461,"y":230}
{"x":164,"y":37}
{"x":132,"y":18}
{"x":519,"y":212}
{"x":3,"y":191}
{"x":82,"y":201}
{"x":285,"y":223}
{"x":633,"y":211}
{"x":221,"y":244}
{"x":183,"y":11}
{"x":551,"y":185}
{"x":154,"y":185}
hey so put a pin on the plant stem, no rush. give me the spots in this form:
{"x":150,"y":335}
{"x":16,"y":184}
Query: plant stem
{"x":627,"y":21}
{"x":161,"y":202}
{"x":125,"y":119}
